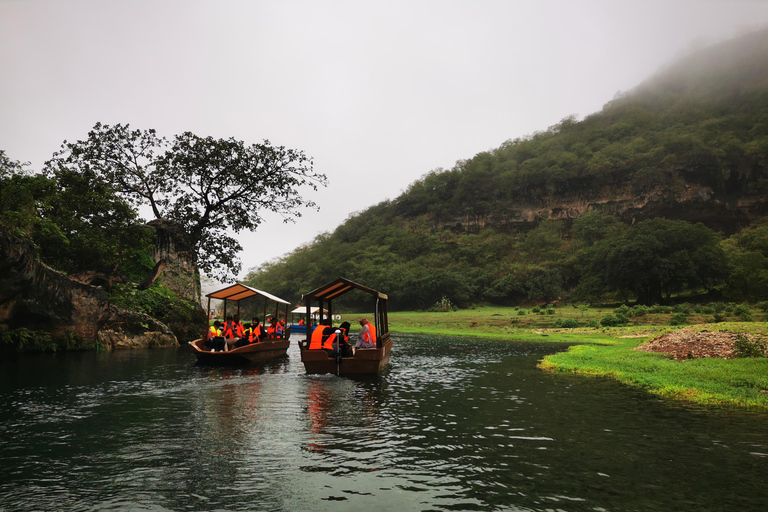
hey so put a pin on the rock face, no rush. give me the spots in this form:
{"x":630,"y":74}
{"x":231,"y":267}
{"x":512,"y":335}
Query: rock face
{"x":180,"y":274}
{"x":692,"y":202}
{"x":174,"y":248}
{"x":38,"y":298}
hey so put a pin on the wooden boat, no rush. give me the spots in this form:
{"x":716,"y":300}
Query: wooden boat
{"x":365,"y":361}
{"x":267,"y":349}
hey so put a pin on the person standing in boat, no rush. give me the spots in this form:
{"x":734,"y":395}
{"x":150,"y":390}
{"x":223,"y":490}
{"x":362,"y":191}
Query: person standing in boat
{"x":367,"y":336}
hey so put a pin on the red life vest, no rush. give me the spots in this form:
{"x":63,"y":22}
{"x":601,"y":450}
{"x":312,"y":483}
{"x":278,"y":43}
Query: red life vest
{"x":316,"y":341}
{"x":229,"y":329}
{"x":239,"y":330}
{"x":370,"y":336}
{"x":254,"y":334}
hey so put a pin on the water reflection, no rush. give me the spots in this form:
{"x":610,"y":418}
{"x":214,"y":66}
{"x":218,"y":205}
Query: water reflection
{"x":453,"y":425}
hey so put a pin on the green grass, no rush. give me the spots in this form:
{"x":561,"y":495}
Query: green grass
{"x":608,"y":351}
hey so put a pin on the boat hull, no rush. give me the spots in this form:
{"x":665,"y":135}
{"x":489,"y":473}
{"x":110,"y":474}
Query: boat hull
{"x":267,"y":349}
{"x":365,"y":361}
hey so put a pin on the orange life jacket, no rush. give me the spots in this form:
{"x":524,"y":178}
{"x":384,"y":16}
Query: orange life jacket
{"x":229,"y":329}
{"x":316,"y":342}
{"x":301,"y":322}
{"x":254,"y":334}
{"x":239,"y":330}
{"x":213,"y":332}
{"x":370,"y":336}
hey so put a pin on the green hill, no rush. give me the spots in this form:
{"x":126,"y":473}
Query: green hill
{"x":528,"y":220}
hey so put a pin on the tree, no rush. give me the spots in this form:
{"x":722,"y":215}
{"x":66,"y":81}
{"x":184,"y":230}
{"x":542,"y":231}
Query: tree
{"x":212,"y":187}
{"x":657,"y":257}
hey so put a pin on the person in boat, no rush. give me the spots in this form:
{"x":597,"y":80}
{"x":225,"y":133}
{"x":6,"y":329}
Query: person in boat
{"x":319,"y":340}
{"x":238,"y":326}
{"x":253,"y":334}
{"x":274,"y":330}
{"x":344,"y":346}
{"x":214,"y":339}
{"x":301,"y":321}
{"x":367,"y":336}
{"x":228,"y":329}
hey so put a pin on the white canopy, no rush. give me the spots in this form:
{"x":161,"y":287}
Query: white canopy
{"x":302,"y":310}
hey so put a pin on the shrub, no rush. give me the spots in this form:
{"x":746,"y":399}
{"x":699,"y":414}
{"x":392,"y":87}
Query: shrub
{"x":622,"y":310}
{"x":613,"y":320}
{"x":443,"y":305}
{"x":763,"y":305}
{"x":593,"y":323}
{"x":719,"y":317}
{"x":638,"y":311}
{"x":566,"y":323}
{"x":535,"y":309}
{"x":679,"y":318}
{"x":740,"y":309}
{"x":550,"y":311}
{"x":521,"y":312}
{"x":746,"y":316}
{"x":744,"y":347}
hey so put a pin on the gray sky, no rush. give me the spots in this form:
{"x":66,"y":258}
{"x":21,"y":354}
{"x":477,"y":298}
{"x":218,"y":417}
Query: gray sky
{"x":378,"y":93}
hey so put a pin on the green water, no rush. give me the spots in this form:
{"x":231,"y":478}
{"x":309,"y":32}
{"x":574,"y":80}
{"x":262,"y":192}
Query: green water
{"x":452,"y":425}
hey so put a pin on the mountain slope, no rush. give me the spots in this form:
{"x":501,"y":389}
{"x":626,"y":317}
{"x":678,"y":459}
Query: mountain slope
{"x":690,"y":143}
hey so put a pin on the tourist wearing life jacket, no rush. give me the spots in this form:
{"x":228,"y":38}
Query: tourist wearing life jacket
{"x":344,"y":346}
{"x":316,"y":341}
{"x":367,"y":336}
{"x":271,"y":328}
{"x":214,"y":339}
{"x":238,"y":327}
{"x":254,"y":333}
{"x":301,"y":321}
{"x":228,"y":329}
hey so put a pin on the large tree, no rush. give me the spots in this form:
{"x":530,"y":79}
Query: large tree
{"x":656,"y":258}
{"x":212,"y":187}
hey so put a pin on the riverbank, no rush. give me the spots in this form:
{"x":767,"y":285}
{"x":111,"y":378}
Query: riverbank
{"x":613,"y":351}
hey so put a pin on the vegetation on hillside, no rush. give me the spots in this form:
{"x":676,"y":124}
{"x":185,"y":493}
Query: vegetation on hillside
{"x":454,"y":233}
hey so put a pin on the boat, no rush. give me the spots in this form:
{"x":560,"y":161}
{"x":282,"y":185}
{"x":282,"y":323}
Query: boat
{"x":365,"y":360}
{"x":267,"y":349}
{"x":271,"y":347}
{"x":297,"y":328}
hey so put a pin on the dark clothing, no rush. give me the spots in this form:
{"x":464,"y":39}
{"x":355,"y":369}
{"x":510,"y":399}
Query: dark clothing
{"x":216,"y":343}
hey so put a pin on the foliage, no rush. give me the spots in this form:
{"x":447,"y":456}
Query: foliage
{"x":209,"y":186}
{"x":744,"y":347}
{"x":76,"y":222}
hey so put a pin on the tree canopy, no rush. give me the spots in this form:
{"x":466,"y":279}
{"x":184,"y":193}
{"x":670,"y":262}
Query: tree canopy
{"x":212,"y":187}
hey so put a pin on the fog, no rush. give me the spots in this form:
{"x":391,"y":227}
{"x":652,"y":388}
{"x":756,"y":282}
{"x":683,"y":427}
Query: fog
{"x":378,"y":93}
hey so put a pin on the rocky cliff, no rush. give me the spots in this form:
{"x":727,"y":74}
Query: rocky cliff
{"x":36,"y":298}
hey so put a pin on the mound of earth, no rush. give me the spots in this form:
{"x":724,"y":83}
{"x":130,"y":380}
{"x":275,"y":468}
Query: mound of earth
{"x":685,"y":344}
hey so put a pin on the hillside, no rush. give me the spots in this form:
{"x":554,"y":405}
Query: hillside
{"x":518,"y":222}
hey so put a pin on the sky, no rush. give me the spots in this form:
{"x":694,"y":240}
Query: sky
{"x":377,"y":93}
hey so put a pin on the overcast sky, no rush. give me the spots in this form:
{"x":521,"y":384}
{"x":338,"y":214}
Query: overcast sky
{"x":377,"y":93}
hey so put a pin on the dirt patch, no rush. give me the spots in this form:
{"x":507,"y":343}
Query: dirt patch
{"x":693,"y":345}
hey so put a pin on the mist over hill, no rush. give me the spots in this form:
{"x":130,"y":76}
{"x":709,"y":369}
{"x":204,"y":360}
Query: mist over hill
{"x":528,"y":220}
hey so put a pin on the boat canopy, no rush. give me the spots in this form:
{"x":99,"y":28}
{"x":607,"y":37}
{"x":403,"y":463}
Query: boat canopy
{"x":301,"y":310}
{"x":326,"y":293}
{"x":339,"y":287}
{"x":239,"y":291}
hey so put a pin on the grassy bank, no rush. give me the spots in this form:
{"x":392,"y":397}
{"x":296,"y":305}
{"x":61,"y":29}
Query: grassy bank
{"x":609,"y":351}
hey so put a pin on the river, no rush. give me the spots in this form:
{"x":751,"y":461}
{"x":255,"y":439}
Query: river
{"x":452,"y":424}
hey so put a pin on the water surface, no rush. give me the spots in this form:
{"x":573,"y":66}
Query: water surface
{"x":453,"y":424}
